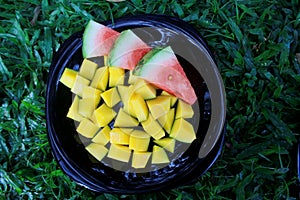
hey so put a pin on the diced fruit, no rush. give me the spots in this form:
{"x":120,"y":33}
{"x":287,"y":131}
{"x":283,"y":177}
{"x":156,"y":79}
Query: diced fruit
{"x":100,"y":79}
{"x":159,"y":106}
{"x":87,"y":128}
{"x":118,"y":136}
{"x":103,"y":136}
{"x":97,"y":39}
{"x":126,"y":93}
{"x":119,"y":152}
{"x":152,"y":127}
{"x":92,"y":93}
{"x":103,"y":115}
{"x":97,"y":150}
{"x":111,"y":97}
{"x":166,"y":121}
{"x":144,"y":89}
{"x":140,"y":159}
{"x":116,"y":76}
{"x":123,"y":91}
{"x":87,"y":69}
{"x":125,"y":120}
{"x":68,"y":77}
{"x":86,"y":107}
{"x":159,"y":155}
{"x":79,"y":84}
{"x":173,"y":98}
{"x":183,"y":131}
{"x":161,"y":68}
{"x":139,"y":140}
{"x":139,"y":107}
{"x":166,"y":143}
{"x":73,"y":110}
{"x":184,"y":110}
{"x":132,"y":78}
{"x":127,"y":50}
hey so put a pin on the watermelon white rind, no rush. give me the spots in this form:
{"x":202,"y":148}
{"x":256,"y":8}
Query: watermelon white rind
{"x":97,"y":39}
{"x":127,"y":50}
{"x":161,"y":68}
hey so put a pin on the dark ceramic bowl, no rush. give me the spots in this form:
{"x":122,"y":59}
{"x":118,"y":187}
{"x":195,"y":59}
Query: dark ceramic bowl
{"x":203,"y":74}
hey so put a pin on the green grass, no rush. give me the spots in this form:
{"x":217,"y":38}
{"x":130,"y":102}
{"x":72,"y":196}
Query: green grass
{"x":255,"y":44}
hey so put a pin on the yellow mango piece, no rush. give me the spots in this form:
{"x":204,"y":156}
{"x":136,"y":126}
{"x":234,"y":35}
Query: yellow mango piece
{"x":159,"y":155}
{"x":139,"y":107}
{"x":68,"y":77}
{"x":144,"y":89}
{"x":167,"y":143}
{"x":132,"y":78}
{"x":97,"y":150}
{"x":173,"y":98}
{"x":139,"y":140}
{"x":73,"y":110}
{"x":116,"y":76}
{"x":100,"y":79}
{"x":126,"y":93}
{"x":86,"y":107}
{"x":92,"y":93}
{"x":118,"y":136}
{"x":125,"y":120}
{"x":111,"y":97}
{"x":183,"y":131}
{"x":140,"y":159}
{"x":103,"y":115}
{"x":152,"y":127}
{"x":119,"y":152}
{"x":184,"y":110}
{"x":159,"y":106}
{"x":103,"y":136}
{"x":79,"y":85}
{"x":166,"y":121}
{"x":87,"y":128}
{"x":123,"y":91}
{"x":87,"y":69}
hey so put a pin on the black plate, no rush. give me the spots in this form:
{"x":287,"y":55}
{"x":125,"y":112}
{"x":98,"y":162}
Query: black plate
{"x":70,"y":152}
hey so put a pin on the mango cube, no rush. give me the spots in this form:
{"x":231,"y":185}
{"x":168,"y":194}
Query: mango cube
{"x":73,"y":110}
{"x":132,"y":78}
{"x":92,"y":93}
{"x":118,"y":136}
{"x":103,"y":136}
{"x":125,"y":120}
{"x":139,"y":107}
{"x":119,"y":152}
{"x":159,"y":106}
{"x":152,"y":127}
{"x":100,"y":79}
{"x":144,"y":89}
{"x":159,"y":155}
{"x":166,"y":121}
{"x":116,"y":76}
{"x":87,"y":69}
{"x":173,"y":98}
{"x":167,"y":143}
{"x":126,"y":93}
{"x":139,"y":140}
{"x":103,"y":115}
{"x":68,"y":77}
{"x":183,"y":131}
{"x":86,"y":107}
{"x":79,"y":85}
{"x":184,"y":110}
{"x":87,"y":128}
{"x":111,"y":97}
{"x":140,"y":159}
{"x":97,"y":150}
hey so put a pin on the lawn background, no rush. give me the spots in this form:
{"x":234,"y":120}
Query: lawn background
{"x":255,"y":44}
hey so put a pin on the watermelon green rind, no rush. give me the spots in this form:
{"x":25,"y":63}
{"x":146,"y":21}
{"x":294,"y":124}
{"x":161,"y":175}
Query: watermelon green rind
{"x":127,"y":50}
{"x":97,"y":39}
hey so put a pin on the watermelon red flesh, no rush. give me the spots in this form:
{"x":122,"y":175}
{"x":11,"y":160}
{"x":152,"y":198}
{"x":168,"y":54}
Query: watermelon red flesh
{"x":163,"y":70}
{"x":97,"y":39}
{"x":127,"y":51}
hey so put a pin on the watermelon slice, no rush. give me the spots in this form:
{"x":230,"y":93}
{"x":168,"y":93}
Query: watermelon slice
{"x":127,"y":51}
{"x":161,"y":68}
{"x":97,"y":39}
